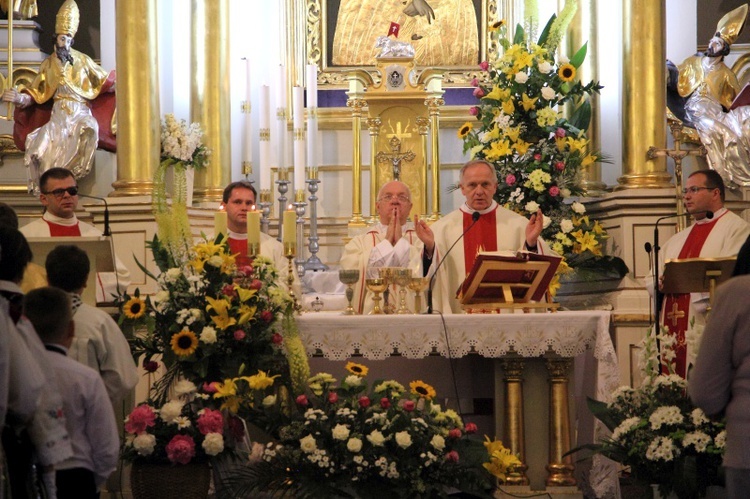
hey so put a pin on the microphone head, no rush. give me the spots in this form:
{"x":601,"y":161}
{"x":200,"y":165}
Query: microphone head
{"x":709,"y":214}
{"x":648,"y":247}
{"x":475,"y":216}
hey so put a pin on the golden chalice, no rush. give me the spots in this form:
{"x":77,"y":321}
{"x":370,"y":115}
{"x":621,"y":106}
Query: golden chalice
{"x":389,"y":274}
{"x":350,"y":277}
{"x":418,"y":284}
{"x":402,"y":277}
{"x":377,"y":286}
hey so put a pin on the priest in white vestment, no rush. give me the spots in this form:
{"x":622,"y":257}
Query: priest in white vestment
{"x":59,"y":196}
{"x":722,"y":235}
{"x":495,"y":229}
{"x":392,"y":242}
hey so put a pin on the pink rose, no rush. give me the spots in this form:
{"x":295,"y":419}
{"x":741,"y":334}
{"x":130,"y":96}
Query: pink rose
{"x":239,"y":334}
{"x":333,"y":397}
{"x":245,"y":269}
{"x":560,"y":133}
{"x":385,"y":403}
{"x":229,"y":291}
{"x":256,"y":284}
{"x":475,"y":82}
{"x":302,"y":400}
{"x":478,"y":92}
{"x":209,"y":387}
{"x":454,"y":433}
{"x":559,"y":166}
{"x":484,"y":65}
{"x":474,"y":110}
{"x":266,"y":316}
{"x":277,"y":339}
{"x":510,"y":179}
{"x":409,"y":405}
{"x":181,"y":449}
{"x":470,"y":428}
{"x":554,"y":191}
{"x":537,"y":157}
{"x":211,"y":421}
{"x":150,"y":365}
{"x":364,"y":402}
{"x":452,"y":456}
{"x":139,"y":419}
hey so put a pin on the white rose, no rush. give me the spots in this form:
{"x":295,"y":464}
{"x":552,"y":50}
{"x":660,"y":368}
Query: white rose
{"x":213,"y":444}
{"x":215,"y":261}
{"x":308,"y":444}
{"x":545,"y":67}
{"x":532,"y":206}
{"x":579,"y":208}
{"x":566,"y":226}
{"x":184,"y":387}
{"x":546,"y":221}
{"x":403,"y":439}
{"x":565,"y":192}
{"x":521,"y":77}
{"x":208,"y":335}
{"x":438,"y":442}
{"x":173,"y":274}
{"x":269,"y":401}
{"x":144,"y":444}
{"x":353,"y":380}
{"x":340,"y":432}
{"x":354,"y":445}
{"x":376,"y":438}
{"x":171,"y":410}
{"x":548,"y":93}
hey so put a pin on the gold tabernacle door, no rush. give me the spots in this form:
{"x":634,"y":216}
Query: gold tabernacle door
{"x":500,"y":280}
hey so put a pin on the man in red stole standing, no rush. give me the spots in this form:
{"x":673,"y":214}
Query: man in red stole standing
{"x":720,"y":236}
{"x":496,"y":229}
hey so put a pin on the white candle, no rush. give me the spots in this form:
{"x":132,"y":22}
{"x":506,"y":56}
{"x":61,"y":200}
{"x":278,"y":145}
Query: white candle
{"x":312,"y":117}
{"x":247,"y":149}
{"x":281,"y":115}
{"x":265,"y":137}
{"x":298,"y":105}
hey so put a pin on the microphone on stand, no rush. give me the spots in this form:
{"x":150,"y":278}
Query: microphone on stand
{"x":474,"y":218}
{"x":107,"y":231}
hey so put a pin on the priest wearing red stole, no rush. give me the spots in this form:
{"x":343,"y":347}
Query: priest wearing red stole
{"x":495,"y":229}
{"x":719,"y":236}
{"x":59,"y":197}
{"x":239,"y":198}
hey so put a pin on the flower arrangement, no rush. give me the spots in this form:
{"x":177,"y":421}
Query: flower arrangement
{"x":181,"y":144}
{"x":213,"y":320}
{"x":344,"y":440}
{"x":180,"y":431}
{"x":660,"y":434}
{"x":538,"y":154}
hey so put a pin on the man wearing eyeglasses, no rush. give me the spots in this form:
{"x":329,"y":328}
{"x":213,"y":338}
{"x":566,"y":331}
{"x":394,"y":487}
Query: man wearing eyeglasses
{"x":389,"y":243}
{"x":721,"y":235}
{"x":59,"y":197}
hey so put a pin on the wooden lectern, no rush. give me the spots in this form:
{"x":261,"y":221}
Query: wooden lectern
{"x":98,"y":249}
{"x":697,"y":275}
{"x":508,"y":281}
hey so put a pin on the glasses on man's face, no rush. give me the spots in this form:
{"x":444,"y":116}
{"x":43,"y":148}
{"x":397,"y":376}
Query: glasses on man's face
{"x":695,"y":190}
{"x":390,"y":197}
{"x":59,"y":193}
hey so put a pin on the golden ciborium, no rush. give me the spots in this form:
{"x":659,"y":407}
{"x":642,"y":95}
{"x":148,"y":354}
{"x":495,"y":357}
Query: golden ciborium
{"x":418,"y":284}
{"x":402,"y":277}
{"x":350,"y":277}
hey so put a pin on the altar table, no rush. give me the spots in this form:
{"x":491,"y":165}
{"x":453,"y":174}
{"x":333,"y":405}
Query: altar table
{"x":509,"y":337}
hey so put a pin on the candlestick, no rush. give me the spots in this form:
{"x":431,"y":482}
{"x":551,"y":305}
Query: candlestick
{"x":265,"y":137}
{"x":299,"y":207}
{"x":289,"y":225}
{"x":220,"y":223}
{"x":298,"y":98}
{"x":253,"y":232}
{"x":313,"y":263}
{"x":247,"y":146}
{"x":281,"y":117}
{"x":283,"y":184}
{"x":313,"y":141}
{"x":265,"y":210}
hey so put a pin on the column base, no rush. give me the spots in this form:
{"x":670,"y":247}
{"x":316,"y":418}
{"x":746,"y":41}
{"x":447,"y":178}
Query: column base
{"x":653,"y":180}
{"x":124,"y":188}
{"x":560,"y":474}
{"x":208,"y":194}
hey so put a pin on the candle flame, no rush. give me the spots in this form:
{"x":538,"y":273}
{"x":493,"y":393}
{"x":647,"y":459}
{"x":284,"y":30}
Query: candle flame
{"x":221,"y":207}
{"x":289,"y":207}
{"x":252,"y":208}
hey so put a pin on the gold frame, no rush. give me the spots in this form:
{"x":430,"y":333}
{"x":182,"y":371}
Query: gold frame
{"x":335,"y":76}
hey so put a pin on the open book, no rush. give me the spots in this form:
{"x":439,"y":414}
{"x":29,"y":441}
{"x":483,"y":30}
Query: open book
{"x":742,"y":98}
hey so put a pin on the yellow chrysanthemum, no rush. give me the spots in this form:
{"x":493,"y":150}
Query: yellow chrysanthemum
{"x":422,"y":390}
{"x":134,"y":308}
{"x":567,"y":72}
{"x":357,"y":369}
{"x":260,"y":381}
{"x":221,"y":307}
{"x":464,"y":130}
{"x":184,"y":343}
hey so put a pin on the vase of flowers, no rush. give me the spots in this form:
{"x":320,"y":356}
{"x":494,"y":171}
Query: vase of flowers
{"x":538,"y":153}
{"x":345,"y":440}
{"x":182,"y":148}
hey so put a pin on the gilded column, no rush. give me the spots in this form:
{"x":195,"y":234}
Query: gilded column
{"x":356,"y":105}
{"x":644,"y":96}
{"x":513,"y":430}
{"x":423,"y":125}
{"x":138,"y":120}
{"x":433,"y":104}
{"x":583,"y":29}
{"x":373,"y":125}
{"x":560,"y":469}
{"x":209,"y":93}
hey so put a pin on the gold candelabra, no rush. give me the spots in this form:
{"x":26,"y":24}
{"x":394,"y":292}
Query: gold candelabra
{"x":290,"y":250}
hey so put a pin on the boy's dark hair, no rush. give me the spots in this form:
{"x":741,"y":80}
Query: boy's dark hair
{"x":49,"y":310}
{"x":8,"y":217}
{"x":15,"y":254}
{"x":67,"y":267}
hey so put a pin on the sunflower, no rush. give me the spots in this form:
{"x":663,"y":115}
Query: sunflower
{"x":134,"y":308}
{"x":357,"y":369}
{"x":567,"y":72}
{"x":422,"y":390}
{"x":497,"y":25}
{"x":184,"y":343}
{"x":464,"y":130}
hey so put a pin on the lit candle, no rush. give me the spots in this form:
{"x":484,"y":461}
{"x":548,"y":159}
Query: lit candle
{"x":265,"y":137}
{"x":298,"y":106}
{"x":253,"y":230}
{"x":290,"y":226}
{"x":312,"y":118}
{"x":220,"y":223}
{"x":247,"y":149}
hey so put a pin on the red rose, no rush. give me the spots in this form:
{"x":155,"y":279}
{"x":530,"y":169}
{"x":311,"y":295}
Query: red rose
{"x":559,"y":166}
{"x":181,"y":449}
{"x":302,"y":400}
{"x":474,"y":110}
{"x":478,"y":92}
{"x":554,"y":191}
{"x":229,"y":290}
{"x":385,"y":403}
{"x":333,"y":397}
{"x":239,"y":335}
{"x":150,"y":365}
{"x":454,"y":433}
{"x":484,"y":65}
{"x":364,"y":402}
{"x":277,"y":339}
{"x":409,"y":405}
{"x":470,"y":428}
{"x":537,"y":157}
{"x":452,"y":456}
{"x":560,"y":133}
{"x":510,"y":179}
{"x":266,"y":316}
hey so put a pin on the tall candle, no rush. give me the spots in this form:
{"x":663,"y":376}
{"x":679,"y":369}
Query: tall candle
{"x":220,"y":223}
{"x":265,"y":137}
{"x":313,"y":142}
{"x":281,"y":115}
{"x":247,"y":149}
{"x":298,"y":97}
{"x":253,"y":227}
{"x":290,"y":226}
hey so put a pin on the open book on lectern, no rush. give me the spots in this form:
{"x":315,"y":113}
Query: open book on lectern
{"x":502,"y":277}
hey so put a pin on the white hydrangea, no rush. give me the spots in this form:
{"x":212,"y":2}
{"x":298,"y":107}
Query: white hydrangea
{"x":208,"y":335}
{"x":171,"y":410}
{"x":578,"y":208}
{"x":144,"y":444}
{"x":521,"y":77}
{"x":667,"y":415}
{"x":340,"y":432}
{"x":662,"y":448}
{"x":213,"y":444}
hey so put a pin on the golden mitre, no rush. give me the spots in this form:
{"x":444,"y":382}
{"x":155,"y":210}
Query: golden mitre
{"x":730,"y":26}
{"x":67,"y":19}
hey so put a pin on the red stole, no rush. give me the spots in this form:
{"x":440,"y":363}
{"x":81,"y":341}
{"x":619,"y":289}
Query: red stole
{"x":57,"y":230}
{"x":480,"y":238}
{"x":239,"y":247}
{"x":676,"y":311}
